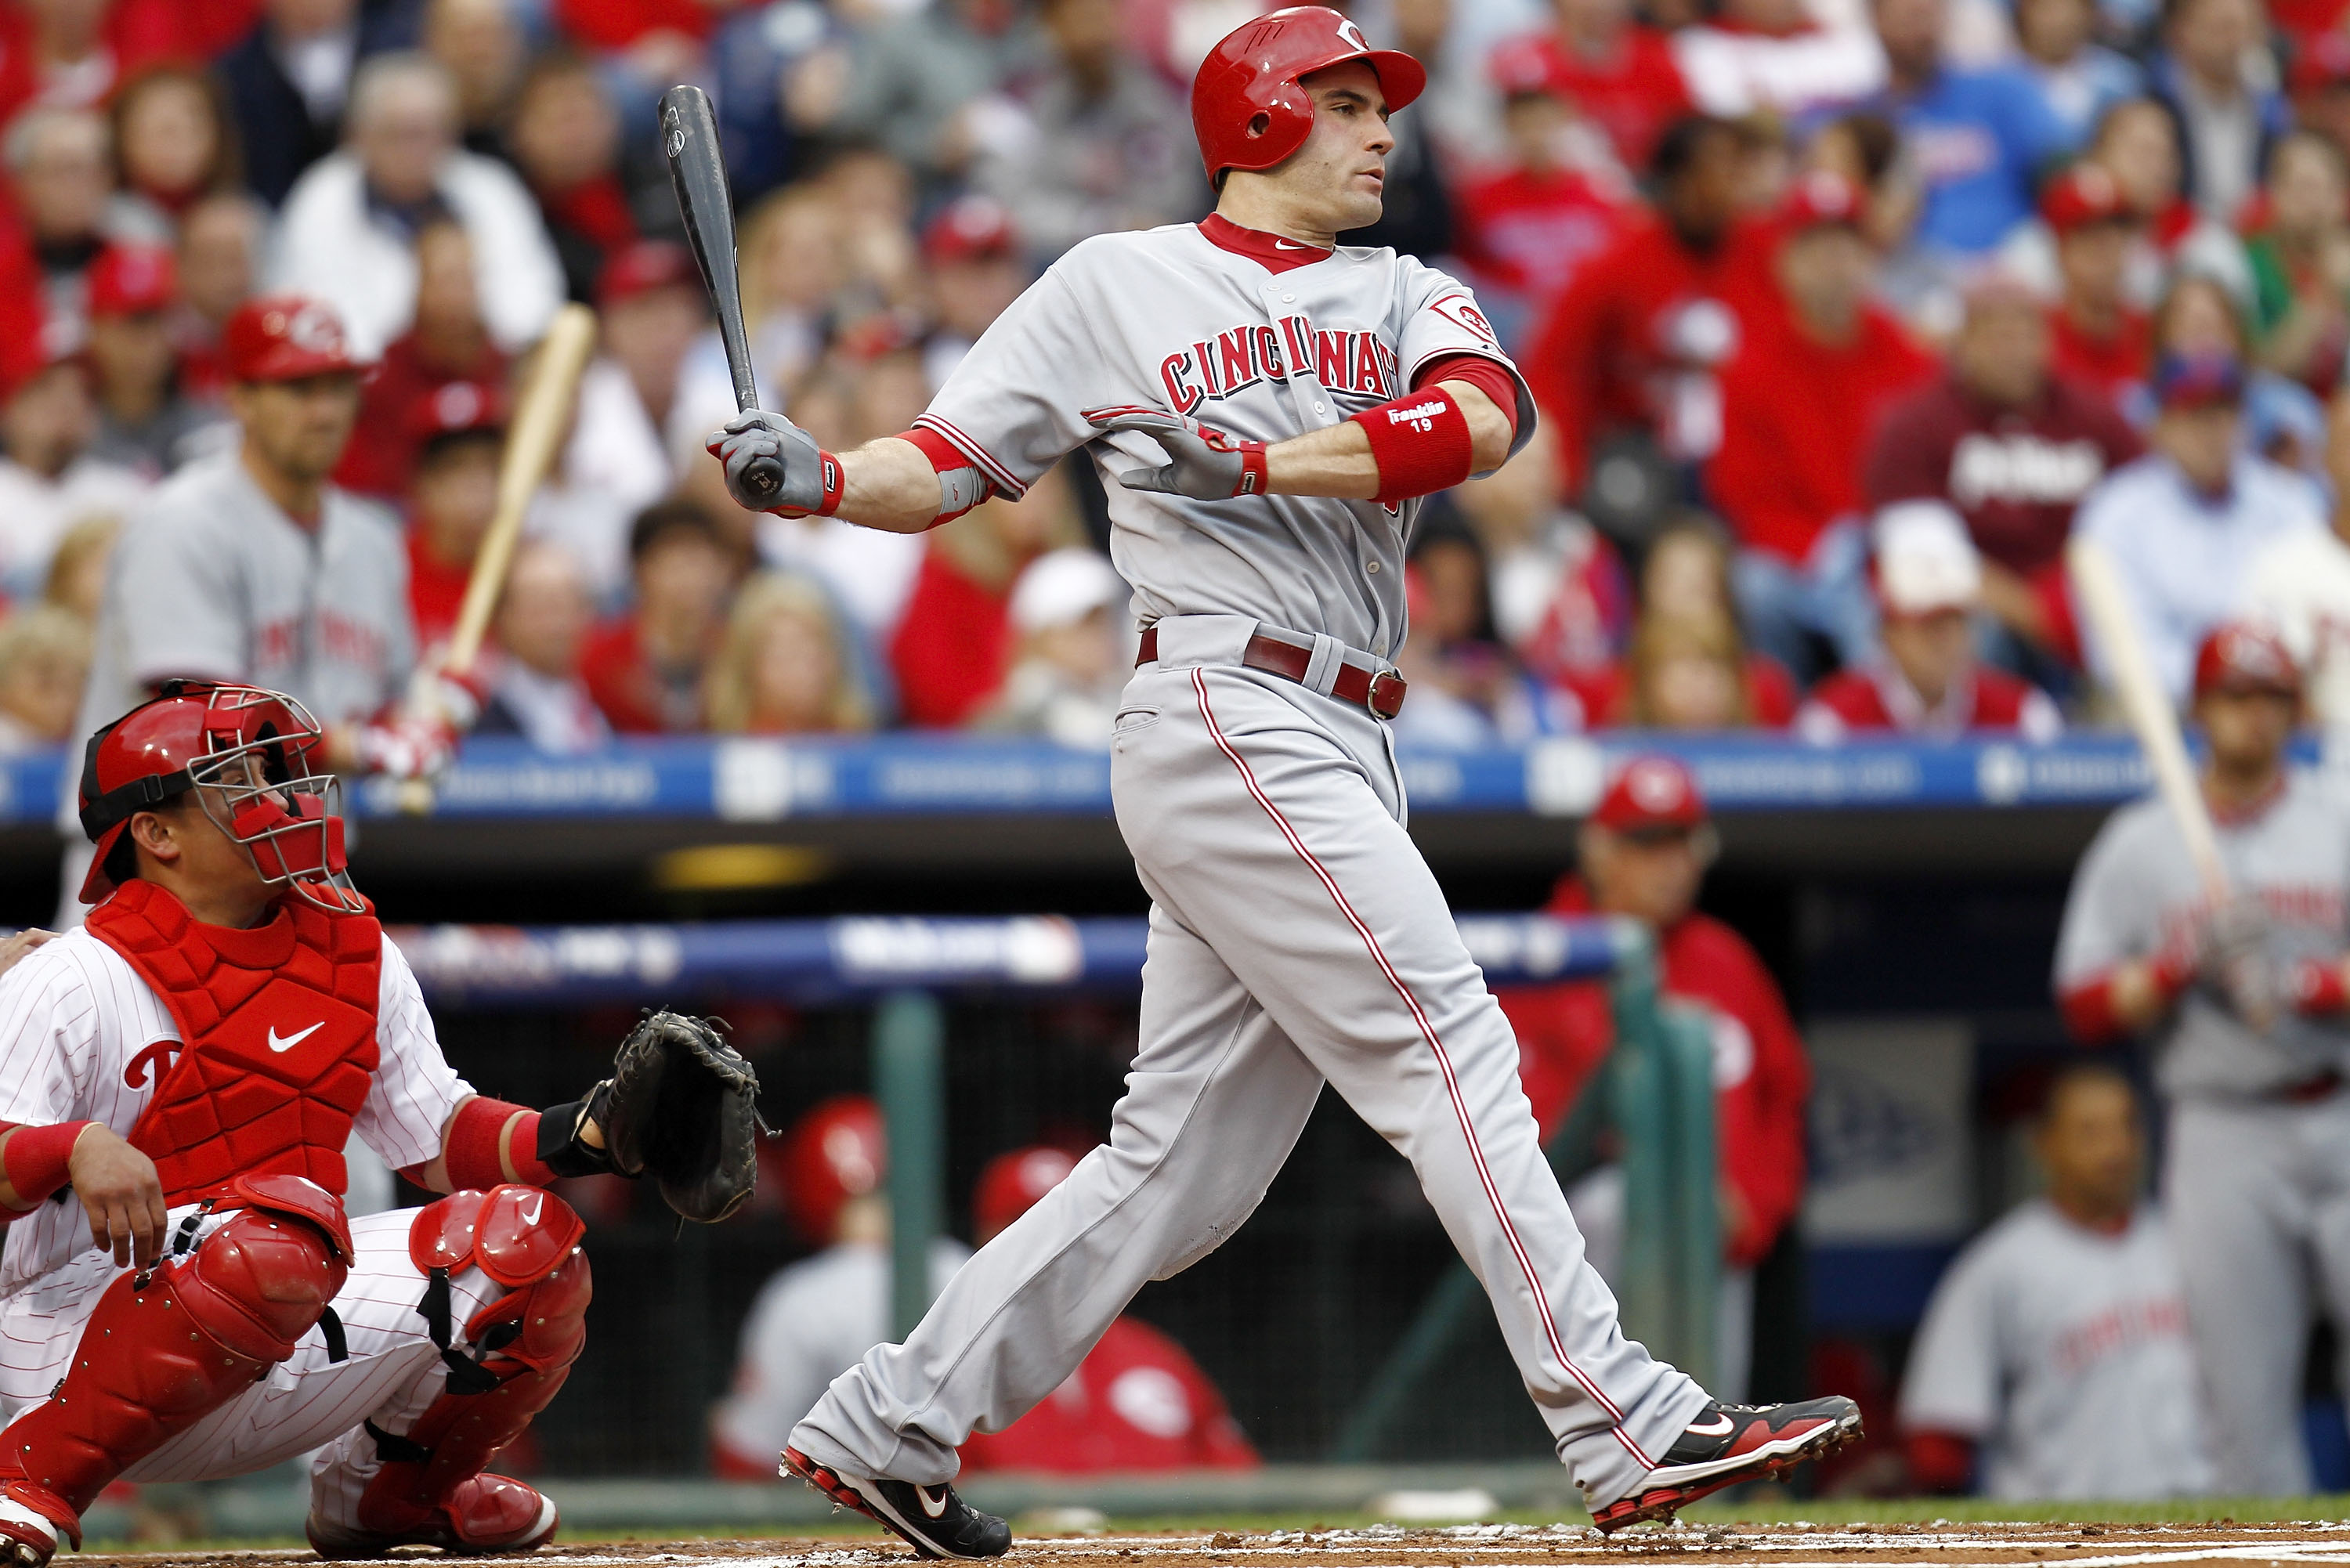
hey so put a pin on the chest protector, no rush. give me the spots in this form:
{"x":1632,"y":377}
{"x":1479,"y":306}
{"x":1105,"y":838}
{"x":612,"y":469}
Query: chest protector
{"x":278,"y":1038}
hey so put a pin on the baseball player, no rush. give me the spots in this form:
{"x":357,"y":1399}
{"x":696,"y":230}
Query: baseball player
{"x":1267,"y":410}
{"x":178,"y":1079}
{"x":2245,"y":1004}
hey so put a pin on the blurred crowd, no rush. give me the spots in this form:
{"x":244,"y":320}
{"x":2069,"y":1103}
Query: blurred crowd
{"x":1841,"y":314}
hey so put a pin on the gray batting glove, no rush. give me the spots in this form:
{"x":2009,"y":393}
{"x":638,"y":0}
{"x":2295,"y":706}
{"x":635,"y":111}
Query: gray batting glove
{"x":755,"y":438}
{"x":1205,"y":463}
{"x":2235,"y":962}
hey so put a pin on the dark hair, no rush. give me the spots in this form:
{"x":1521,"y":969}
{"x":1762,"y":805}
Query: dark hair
{"x":1677,"y":150}
{"x":665,"y":519}
{"x":2077,"y":1073}
{"x":1876,"y":138}
{"x":440,"y":443}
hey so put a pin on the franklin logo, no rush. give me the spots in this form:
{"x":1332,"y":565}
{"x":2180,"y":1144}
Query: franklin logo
{"x":1421,"y":417}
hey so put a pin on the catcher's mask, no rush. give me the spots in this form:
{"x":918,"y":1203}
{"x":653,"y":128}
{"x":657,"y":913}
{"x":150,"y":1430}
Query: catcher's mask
{"x":255,"y":759}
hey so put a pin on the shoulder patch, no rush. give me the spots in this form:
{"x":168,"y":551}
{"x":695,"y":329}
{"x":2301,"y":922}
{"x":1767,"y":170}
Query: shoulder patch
{"x":1462,"y":312}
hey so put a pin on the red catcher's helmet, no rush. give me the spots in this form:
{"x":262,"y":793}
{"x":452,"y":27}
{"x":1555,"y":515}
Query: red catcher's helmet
{"x":1247,"y":108}
{"x":839,"y":1150}
{"x":1010,"y":1185}
{"x":255,"y":759}
{"x":2241,"y":657}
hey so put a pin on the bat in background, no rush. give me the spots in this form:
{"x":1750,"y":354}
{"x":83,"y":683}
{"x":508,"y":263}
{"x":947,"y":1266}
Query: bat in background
{"x":697,"y":171}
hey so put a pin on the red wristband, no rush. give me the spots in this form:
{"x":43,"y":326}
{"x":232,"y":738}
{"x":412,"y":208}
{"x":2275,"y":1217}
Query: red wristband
{"x":1253,"y":478}
{"x":1421,"y":443}
{"x":2317,"y":988}
{"x":2173,"y":971}
{"x":470,"y":1154}
{"x":36,"y":1157}
{"x":835,"y":482}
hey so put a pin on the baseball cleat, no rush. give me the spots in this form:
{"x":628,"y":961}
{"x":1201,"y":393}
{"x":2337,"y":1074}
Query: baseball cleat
{"x":1732,"y":1443}
{"x":28,"y":1537}
{"x":485,"y":1515}
{"x":932,"y":1520}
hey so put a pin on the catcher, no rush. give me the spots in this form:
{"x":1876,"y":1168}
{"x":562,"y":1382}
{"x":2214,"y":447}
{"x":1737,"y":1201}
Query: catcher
{"x":177,"y":1081}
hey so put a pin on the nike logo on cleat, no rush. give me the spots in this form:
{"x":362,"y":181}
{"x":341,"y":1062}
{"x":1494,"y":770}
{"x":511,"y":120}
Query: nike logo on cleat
{"x":291,"y":1041}
{"x":1717,"y":1427}
{"x":935,"y":1509}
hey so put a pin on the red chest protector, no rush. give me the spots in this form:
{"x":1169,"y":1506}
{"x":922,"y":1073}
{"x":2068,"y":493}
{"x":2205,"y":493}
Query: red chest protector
{"x":278,"y":1032}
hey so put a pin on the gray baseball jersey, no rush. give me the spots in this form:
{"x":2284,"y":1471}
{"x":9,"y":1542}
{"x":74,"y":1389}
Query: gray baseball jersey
{"x":2063,"y":1354}
{"x":2136,"y":890}
{"x":1297,"y":939}
{"x":1171,"y":319}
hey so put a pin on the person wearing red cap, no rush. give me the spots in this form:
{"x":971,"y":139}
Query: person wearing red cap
{"x":814,"y":1318}
{"x":1618,"y":70}
{"x":49,"y":477}
{"x":971,"y":260}
{"x":1137,"y":1404}
{"x":2096,"y":335}
{"x":459,"y":430}
{"x":145,"y":420}
{"x":2241,"y":996}
{"x":1643,"y":853}
{"x":447,"y":342}
{"x":1788,"y":475}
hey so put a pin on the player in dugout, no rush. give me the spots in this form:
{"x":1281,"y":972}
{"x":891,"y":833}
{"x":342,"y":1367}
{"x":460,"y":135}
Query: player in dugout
{"x":178,"y":1079}
{"x":2244,"y":1000}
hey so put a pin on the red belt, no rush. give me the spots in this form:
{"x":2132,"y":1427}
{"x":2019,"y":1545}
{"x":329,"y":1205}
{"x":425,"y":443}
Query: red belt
{"x":1381,"y":692}
{"x":2309,"y":1091}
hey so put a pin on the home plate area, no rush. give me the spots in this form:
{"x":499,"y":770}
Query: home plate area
{"x":1469,"y":1546}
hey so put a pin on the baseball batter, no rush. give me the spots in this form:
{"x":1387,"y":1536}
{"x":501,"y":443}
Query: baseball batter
{"x":2245,"y":1004}
{"x":178,"y":1079}
{"x":1269,"y":409}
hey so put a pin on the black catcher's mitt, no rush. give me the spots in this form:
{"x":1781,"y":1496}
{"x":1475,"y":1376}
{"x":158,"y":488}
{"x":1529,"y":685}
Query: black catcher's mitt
{"x":681,"y":1106}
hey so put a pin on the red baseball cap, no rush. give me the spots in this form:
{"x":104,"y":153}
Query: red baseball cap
{"x":1819,"y":197}
{"x":132,"y":280}
{"x":643,"y":266}
{"x":284,"y":337}
{"x":1010,"y":1185}
{"x":1652,"y":792}
{"x":838,"y":1151}
{"x":1521,"y":67}
{"x":2241,"y":657}
{"x":2324,"y":61}
{"x":2083,"y":194}
{"x":970,"y":228}
{"x":456,"y":407}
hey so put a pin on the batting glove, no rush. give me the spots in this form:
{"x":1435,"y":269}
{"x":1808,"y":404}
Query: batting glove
{"x":414,"y":747}
{"x":2235,"y":962}
{"x":811,"y":477}
{"x":1205,"y":463}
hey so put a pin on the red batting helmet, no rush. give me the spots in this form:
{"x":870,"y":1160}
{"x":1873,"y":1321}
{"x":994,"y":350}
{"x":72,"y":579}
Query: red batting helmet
{"x":257,"y":760}
{"x":1010,"y":1185}
{"x":1247,"y":108}
{"x":2242,"y":656}
{"x":285,"y":337}
{"x":839,"y":1150}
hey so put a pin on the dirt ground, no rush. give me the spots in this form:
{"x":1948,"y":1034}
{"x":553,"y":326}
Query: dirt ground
{"x":1472,"y":1546}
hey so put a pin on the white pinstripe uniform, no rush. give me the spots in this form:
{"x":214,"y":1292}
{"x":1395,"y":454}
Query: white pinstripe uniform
{"x":78,"y":1029}
{"x":1296,"y":936}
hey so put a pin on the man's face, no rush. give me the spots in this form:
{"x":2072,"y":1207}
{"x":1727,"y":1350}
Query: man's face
{"x":455,"y":492}
{"x":545,"y":614}
{"x":1826,"y":271}
{"x":216,"y":246}
{"x":2091,"y":1145}
{"x":1650,"y":874}
{"x":2247,"y":731}
{"x":565,"y":133}
{"x":299,"y":427}
{"x":968,"y":295}
{"x":213,"y":864}
{"x":2052,"y":31}
{"x":41,"y":691}
{"x":448,"y":297}
{"x":131,"y":354}
{"x":65,"y":179}
{"x":1932,"y":651}
{"x":2201,"y":441}
{"x":1912,"y":32}
{"x":1335,"y":181}
{"x":1085,"y":33}
{"x":1708,"y":192}
{"x":650,"y":333}
{"x":50,"y":419}
{"x":2209,"y":37}
{"x":405,"y":141}
{"x":308,"y":18}
{"x":2003,"y":351}
{"x":2094,"y":258}
{"x":683,"y":578}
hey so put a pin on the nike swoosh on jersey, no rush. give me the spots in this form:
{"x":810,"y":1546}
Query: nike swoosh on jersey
{"x":934,"y":1509}
{"x":293,"y":1040}
{"x":1292,"y":245}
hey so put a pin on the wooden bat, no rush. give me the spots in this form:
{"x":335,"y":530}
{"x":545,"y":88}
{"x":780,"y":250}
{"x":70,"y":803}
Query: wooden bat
{"x":697,"y":171}
{"x":2098,"y":588}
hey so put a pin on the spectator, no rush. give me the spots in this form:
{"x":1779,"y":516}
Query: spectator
{"x":915,"y":81}
{"x":2301,"y":263}
{"x":1774,"y":57}
{"x":781,"y":78}
{"x":61,"y":174}
{"x":48,"y":478}
{"x":1136,"y":1403}
{"x":1560,"y":599}
{"x":458,"y":432}
{"x":812,"y":1321}
{"x":1635,"y":345}
{"x":1691,"y":672}
{"x":78,"y":569}
{"x":44,"y":659}
{"x":544,"y":618}
{"x":348,"y":235}
{"x":447,"y":342}
{"x":616,"y":461}
{"x":175,"y":144}
{"x":2299,"y":586}
{"x":2012,"y":448}
{"x":1416,"y":198}
{"x":1927,"y":680}
{"x":873,"y":197}
{"x":2079,"y":79}
{"x":645,"y":668}
{"x":1477,"y":693}
{"x":289,"y":80}
{"x":2320,"y":81}
{"x":1101,"y":144}
{"x":2226,"y":109}
{"x":971,"y":260}
{"x":2240,"y":1004}
{"x":2138,"y":144}
{"x":1619,"y":72}
{"x":1070,"y":662}
{"x":565,"y":140}
{"x":2064,"y":1321}
{"x":656,"y":41}
{"x":794,"y":264}
{"x":220,"y":238}
{"x":478,"y":43}
{"x":1643,"y":853}
{"x":2282,"y":420}
{"x":956,"y":641}
{"x":2097,"y":338}
{"x":1788,"y":474}
{"x":145,"y":422}
{"x":1979,"y":137}
{"x":1528,"y":226}
{"x":785,"y":668}
{"x":2184,"y":523}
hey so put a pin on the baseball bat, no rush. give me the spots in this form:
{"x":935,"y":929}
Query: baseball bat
{"x":697,"y":171}
{"x":2098,"y":588}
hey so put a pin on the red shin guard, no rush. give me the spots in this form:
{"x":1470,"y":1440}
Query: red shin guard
{"x":152,"y":1362}
{"x":526,"y":1240}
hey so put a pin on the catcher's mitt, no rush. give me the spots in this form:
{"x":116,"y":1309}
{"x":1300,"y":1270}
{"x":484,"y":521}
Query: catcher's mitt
{"x":681,"y":1107}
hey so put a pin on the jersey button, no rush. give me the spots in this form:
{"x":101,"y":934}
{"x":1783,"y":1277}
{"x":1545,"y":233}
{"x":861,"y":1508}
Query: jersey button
{"x":1288,"y":299}
{"x":1371,"y":566}
{"x":1321,"y":408}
